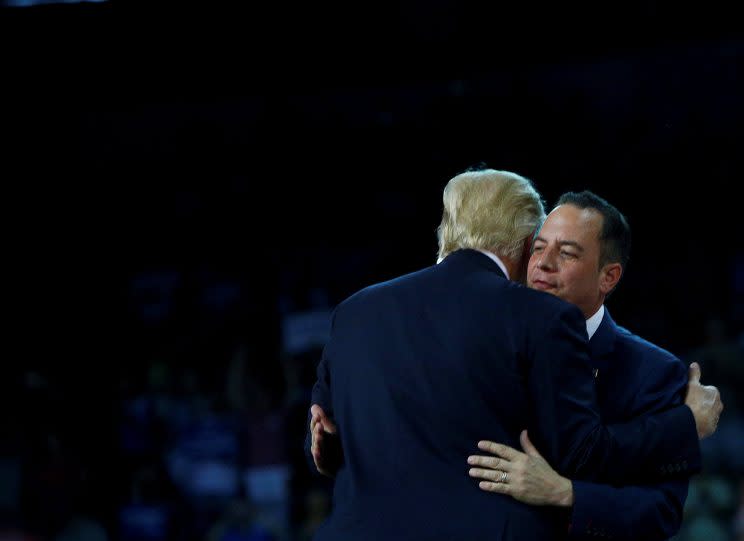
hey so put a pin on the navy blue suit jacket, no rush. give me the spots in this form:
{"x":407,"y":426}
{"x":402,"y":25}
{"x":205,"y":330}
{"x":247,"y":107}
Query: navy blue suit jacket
{"x":417,"y":370}
{"x":634,"y":378}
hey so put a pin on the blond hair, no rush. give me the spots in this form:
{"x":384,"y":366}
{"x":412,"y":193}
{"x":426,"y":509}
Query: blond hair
{"x":489,"y":210}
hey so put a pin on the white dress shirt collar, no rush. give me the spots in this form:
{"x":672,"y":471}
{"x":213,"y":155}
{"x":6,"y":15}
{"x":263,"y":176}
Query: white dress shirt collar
{"x":592,"y":324}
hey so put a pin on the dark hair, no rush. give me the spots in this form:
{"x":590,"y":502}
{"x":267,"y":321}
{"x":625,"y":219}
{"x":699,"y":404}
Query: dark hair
{"x":614,"y":240}
{"x":479,"y":166}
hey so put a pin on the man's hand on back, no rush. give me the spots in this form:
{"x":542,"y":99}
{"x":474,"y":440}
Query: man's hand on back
{"x":325,"y":446}
{"x":526,"y":477}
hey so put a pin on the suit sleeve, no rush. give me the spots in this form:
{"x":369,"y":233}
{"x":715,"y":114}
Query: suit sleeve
{"x":569,"y":428}
{"x":650,"y":512}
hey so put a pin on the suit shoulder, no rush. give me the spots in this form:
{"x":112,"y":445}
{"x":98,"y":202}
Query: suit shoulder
{"x":657,"y":375}
{"x":542,"y":309}
{"x":381,"y":288}
{"x":544,"y":303}
{"x":651,"y":355}
{"x":642,"y":346}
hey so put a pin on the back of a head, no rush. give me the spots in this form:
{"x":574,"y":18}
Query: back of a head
{"x":489,"y":210}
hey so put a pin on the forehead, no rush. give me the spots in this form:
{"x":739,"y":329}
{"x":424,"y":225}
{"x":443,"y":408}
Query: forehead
{"x":568,"y":222}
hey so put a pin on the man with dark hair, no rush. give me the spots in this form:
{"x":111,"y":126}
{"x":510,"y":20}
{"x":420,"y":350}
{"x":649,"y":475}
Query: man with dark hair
{"x":579,"y":255}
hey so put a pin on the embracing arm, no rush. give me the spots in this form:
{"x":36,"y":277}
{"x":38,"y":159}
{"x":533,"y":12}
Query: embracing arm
{"x":648,"y":511}
{"x":652,"y":512}
{"x":568,"y":427}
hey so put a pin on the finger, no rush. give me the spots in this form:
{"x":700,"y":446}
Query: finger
{"x":316,"y":448}
{"x":321,"y":469}
{"x":318,"y":415}
{"x":318,"y":435}
{"x":490,"y":462}
{"x":317,"y":458}
{"x":489,"y":475}
{"x":530,"y":449}
{"x":501,"y":488}
{"x":318,"y":412}
{"x":504,"y":451}
{"x":329,"y":426}
{"x":694,"y":373}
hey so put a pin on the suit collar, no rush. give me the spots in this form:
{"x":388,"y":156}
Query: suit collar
{"x":603,"y":341}
{"x":496,"y":259}
{"x":474,"y":257}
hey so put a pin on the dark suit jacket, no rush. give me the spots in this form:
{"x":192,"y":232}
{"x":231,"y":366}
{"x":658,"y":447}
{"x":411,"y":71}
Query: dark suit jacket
{"x":634,"y":378}
{"x":417,"y":370}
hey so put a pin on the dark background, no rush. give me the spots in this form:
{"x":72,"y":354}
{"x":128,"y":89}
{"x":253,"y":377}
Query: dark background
{"x":184,"y":183}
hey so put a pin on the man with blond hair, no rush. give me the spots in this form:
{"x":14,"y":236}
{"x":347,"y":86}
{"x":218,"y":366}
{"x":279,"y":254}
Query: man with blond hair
{"x":420,"y":368}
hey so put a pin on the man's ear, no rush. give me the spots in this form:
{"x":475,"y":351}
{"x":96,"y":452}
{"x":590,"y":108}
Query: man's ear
{"x":609,"y":276}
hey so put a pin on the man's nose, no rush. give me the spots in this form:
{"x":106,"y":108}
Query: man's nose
{"x":546,"y":261}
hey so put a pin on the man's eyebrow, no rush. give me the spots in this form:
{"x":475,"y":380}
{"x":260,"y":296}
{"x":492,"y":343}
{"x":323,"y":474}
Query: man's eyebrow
{"x":563,"y":243}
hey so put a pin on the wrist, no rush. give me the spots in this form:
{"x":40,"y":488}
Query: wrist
{"x":565,"y":495}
